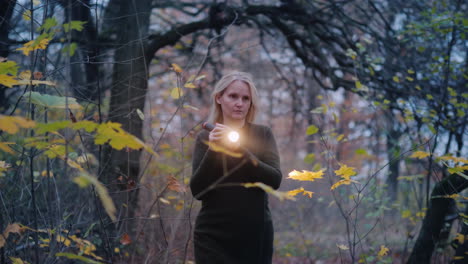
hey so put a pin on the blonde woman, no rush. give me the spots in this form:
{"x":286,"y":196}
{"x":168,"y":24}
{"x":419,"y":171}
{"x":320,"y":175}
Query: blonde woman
{"x":234,"y":224}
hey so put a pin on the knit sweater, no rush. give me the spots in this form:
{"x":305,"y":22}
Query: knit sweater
{"x":234,"y":224}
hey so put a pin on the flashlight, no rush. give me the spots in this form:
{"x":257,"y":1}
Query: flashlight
{"x":233,"y":136}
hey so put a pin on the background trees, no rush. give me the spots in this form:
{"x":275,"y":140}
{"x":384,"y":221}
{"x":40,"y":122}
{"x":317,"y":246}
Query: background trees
{"x":357,"y":83}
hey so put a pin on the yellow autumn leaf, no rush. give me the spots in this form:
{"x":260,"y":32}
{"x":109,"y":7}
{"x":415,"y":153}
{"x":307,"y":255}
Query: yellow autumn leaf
{"x":64,"y":240}
{"x":419,"y":154}
{"x":11,"y":124}
{"x":8,"y":81}
{"x":4,"y":166}
{"x":305,"y":175}
{"x":219,"y":148}
{"x":454,"y":159}
{"x":280,"y":195}
{"x":296,"y":191}
{"x":102,"y":193}
{"x":118,"y":138}
{"x":406,"y":214}
{"x":176,"y":68}
{"x":189,"y":85}
{"x":27,"y":15}
{"x":460,"y":238}
{"x":176,"y":92}
{"x":17,"y":261}
{"x":300,"y":190}
{"x":345,"y":171}
{"x":180,"y":205}
{"x":4,"y":147}
{"x":34,"y":45}
{"x":308,"y":193}
{"x":383,"y":251}
{"x":342,"y":182}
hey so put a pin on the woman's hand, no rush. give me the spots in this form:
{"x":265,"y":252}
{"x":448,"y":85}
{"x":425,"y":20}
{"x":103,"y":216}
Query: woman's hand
{"x":219,"y":135}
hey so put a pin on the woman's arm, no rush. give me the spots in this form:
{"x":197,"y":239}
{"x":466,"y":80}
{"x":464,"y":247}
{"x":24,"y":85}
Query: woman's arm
{"x":204,"y":166}
{"x":266,"y":167}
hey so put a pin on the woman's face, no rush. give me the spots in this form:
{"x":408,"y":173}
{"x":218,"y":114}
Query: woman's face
{"x":235,"y":101}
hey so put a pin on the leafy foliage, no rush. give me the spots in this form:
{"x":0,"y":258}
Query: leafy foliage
{"x":280,"y":195}
{"x":305,"y":175}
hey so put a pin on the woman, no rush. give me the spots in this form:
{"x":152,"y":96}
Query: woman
{"x":234,"y":224}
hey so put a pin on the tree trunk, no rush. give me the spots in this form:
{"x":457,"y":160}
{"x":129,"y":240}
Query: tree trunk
{"x":129,"y":84}
{"x":393,"y":150}
{"x":5,"y":17}
{"x":85,"y":70}
{"x":433,"y":222}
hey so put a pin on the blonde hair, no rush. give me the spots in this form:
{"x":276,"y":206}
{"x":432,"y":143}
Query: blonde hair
{"x":216,"y":114}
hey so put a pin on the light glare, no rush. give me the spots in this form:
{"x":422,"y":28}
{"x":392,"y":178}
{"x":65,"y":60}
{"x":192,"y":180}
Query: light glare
{"x":233,"y":136}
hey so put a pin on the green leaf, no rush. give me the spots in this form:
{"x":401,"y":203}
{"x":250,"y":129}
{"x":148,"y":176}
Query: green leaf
{"x":361,"y":151}
{"x":70,"y":49}
{"x":52,"y":101}
{"x":358,"y":85}
{"x":176,"y":92}
{"x":309,"y":158}
{"x":317,"y":110}
{"x":9,"y":67}
{"x":74,"y":25}
{"x":88,"y":126}
{"x":312,"y":130}
{"x":77,"y":257}
{"x":82,"y":181}
{"x":48,"y":24}
{"x":51,"y":127}
{"x":396,"y":79}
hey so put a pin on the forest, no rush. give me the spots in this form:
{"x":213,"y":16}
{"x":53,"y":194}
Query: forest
{"x":101,"y":102}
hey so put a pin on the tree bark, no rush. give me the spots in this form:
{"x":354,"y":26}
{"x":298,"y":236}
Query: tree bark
{"x":128,"y":89}
{"x":85,"y":70}
{"x":5,"y":17}
{"x":393,"y":150}
{"x":429,"y":235}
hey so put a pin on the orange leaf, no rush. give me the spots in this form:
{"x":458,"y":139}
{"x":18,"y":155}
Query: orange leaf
{"x":174,"y":185}
{"x":125,"y":239}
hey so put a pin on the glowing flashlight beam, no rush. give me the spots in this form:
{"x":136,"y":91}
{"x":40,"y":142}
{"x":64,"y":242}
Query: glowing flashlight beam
{"x":233,"y":136}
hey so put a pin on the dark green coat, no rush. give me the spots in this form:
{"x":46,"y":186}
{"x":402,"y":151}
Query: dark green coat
{"x":234,"y":224}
